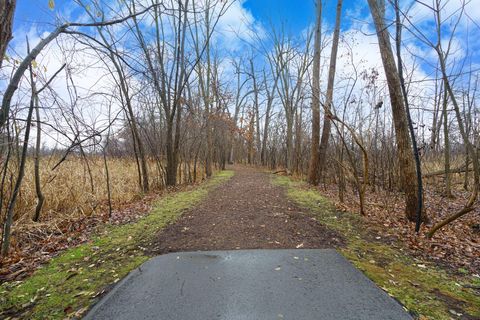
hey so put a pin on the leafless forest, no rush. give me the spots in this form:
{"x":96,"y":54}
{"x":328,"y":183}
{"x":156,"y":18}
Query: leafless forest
{"x":397,"y":143}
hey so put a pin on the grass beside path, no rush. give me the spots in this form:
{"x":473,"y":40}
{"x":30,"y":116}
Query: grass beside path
{"x":426,"y":290}
{"x":67,"y":285}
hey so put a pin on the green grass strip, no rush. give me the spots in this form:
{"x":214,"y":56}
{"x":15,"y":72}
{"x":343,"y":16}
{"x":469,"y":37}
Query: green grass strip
{"x":72,"y":281}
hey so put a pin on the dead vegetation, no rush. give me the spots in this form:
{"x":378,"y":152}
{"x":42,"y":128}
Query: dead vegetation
{"x":456,"y":247}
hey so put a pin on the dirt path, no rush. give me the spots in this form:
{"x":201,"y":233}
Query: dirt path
{"x":247,"y":212}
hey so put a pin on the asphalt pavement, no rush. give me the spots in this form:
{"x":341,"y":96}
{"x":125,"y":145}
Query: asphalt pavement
{"x":248,"y":284}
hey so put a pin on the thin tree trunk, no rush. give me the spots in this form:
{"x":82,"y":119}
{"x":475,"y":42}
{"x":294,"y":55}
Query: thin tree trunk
{"x":270,"y":97}
{"x":331,"y":81}
{"x":289,"y":144}
{"x":448,"y":188}
{"x":435,"y":120}
{"x":257,"y":113}
{"x":38,"y":186}
{"x":133,"y":123}
{"x":207,"y":97}
{"x":298,"y":140}
{"x":314,"y":153}
{"x":176,"y":144}
{"x":361,"y":187}
{"x":171,"y":165}
{"x":21,"y":173}
{"x":107,"y":180}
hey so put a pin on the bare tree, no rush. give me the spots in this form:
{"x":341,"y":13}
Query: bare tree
{"x":293,"y":64}
{"x":404,"y":145}
{"x":442,"y":58}
{"x":329,"y":98}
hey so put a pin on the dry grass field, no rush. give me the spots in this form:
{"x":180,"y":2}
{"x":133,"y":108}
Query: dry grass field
{"x":68,"y":189}
{"x":76,"y":189}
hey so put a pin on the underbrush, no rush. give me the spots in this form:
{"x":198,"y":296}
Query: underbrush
{"x":456,"y":245}
{"x":68,"y":284}
{"x":427,"y":290}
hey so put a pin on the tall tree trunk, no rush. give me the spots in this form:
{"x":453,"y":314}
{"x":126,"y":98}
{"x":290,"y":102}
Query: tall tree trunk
{"x":265,"y":136}
{"x":314,"y":153}
{"x":404,"y":146}
{"x":257,"y":113}
{"x":418,"y":166}
{"x":331,"y":81}
{"x":250,"y":137}
{"x":208,"y":123}
{"x":7,"y":10}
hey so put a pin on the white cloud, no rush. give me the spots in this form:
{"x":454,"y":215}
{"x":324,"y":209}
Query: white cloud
{"x":237,"y":26}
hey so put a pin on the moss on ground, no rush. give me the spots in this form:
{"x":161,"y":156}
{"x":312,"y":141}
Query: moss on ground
{"x":67,"y":285}
{"x":426,"y":290}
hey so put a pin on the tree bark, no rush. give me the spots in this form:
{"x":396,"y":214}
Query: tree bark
{"x":404,"y":146}
{"x":7,"y":10}
{"x":420,"y":213}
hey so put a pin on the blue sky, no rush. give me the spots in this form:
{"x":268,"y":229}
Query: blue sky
{"x":31,"y":11}
{"x":296,"y":15}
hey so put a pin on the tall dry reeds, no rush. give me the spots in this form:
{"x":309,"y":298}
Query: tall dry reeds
{"x":75,"y":188}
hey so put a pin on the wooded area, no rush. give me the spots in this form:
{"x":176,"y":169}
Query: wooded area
{"x":173,"y":108}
